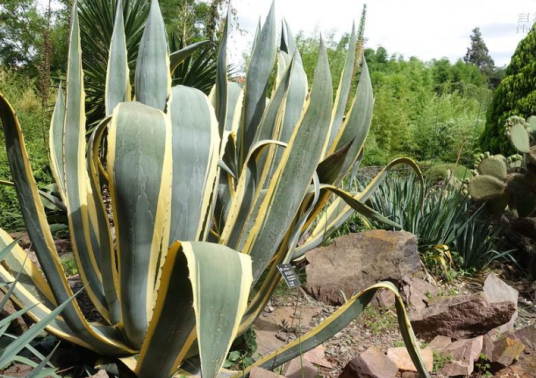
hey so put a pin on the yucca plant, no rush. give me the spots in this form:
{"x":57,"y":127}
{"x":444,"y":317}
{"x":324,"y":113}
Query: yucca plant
{"x":208,"y":196}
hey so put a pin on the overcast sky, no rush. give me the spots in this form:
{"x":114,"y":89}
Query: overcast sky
{"x":423,"y":28}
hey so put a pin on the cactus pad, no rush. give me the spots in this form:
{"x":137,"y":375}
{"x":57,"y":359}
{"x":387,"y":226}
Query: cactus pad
{"x":493,"y":166}
{"x":483,"y":188}
{"x":518,"y":135}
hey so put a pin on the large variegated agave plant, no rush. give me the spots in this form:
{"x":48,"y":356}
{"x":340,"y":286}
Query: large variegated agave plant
{"x":208,"y":196}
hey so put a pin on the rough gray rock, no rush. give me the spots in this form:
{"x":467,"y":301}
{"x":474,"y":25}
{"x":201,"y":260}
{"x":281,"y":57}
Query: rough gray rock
{"x":356,"y":261}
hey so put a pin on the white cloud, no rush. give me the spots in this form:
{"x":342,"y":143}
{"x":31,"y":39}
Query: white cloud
{"x":423,"y":28}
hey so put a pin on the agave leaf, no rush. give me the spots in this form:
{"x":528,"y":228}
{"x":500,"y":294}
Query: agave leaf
{"x":338,"y":211}
{"x":357,"y":124}
{"x":334,"y":324}
{"x":246,"y":193}
{"x":16,"y":258}
{"x":39,"y":309}
{"x":176,"y":58}
{"x":139,"y":166}
{"x":295,"y":172}
{"x":177,"y":319}
{"x":329,"y":169}
{"x":296,"y":94}
{"x":220,"y":97}
{"x":196,"y":144}
{"x":74,"y":138}
{"x":39,"y":232}
{"x":56,"y":141}
{"x":260,"y":67}
{"x":16,"y":346}
{"x":153,"y":77}
{"x":117,"y":74}
{"x":108,"y":263}
{"x":343,"y":91}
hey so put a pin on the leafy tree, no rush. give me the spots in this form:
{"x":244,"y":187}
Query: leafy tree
{"x":516,"y":95}
{"x":23,"y":27}
{"x":478,"y":53}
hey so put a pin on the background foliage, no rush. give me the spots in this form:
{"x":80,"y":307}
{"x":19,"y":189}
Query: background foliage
{"x":516,"y":95}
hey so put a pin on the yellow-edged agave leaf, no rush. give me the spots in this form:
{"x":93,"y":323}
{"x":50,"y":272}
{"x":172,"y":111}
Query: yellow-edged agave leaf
{"x":108,"y":263}
{"x":298,"y":87}
{"x":329,"y":169}
{"x":117,"y":75}
{"x":26,"y":296}
{"x":353,"y":132}
{"x":153,"y":78}
{"x":334,"y":324}
{"x":38,"y":229}
{"x":235,"y":95}
{"x":195,"y":145}
{"x":139,"y":164}
{"x":343,"y":90}
{"x":295,"y":172}
{"x":260,"y":67}
{"x":339,"y":211}
{"x":208,"y":308}
{"x":357,"y":124}
{"x":221,"y":94}
{"x":297,"y":92}
{"x":226,"y":181}
{"x":56,"y":142}
{"x":76,"y":178}
{"x":29,"y":275}
{"x":271,"y":123}
{"x":245,"y":194}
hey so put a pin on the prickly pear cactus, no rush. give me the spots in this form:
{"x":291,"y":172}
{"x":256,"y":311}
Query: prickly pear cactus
{"x":509,"y":182}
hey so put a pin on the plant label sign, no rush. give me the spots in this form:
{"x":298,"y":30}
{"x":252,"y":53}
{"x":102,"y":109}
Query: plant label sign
{"x":289,"y":275}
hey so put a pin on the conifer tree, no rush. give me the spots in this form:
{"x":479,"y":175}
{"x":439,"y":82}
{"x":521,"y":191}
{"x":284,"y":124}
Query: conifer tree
{"x":516,"y":95}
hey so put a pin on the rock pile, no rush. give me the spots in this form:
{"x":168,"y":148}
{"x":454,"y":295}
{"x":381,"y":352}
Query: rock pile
{"x":466,"y":334}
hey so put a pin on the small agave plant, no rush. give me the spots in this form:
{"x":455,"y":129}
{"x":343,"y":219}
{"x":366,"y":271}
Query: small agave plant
{"x":208,"y":196}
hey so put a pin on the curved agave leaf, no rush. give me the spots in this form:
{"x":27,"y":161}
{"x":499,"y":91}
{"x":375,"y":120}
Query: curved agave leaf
{"x":39,"y":232}
{"x":208,"y":307}
{"x":139,"y":167}
{"x":176,"y":58}
{"x":56,"y":142}
{"x":338,"y":211}
{"x":334,"y":324}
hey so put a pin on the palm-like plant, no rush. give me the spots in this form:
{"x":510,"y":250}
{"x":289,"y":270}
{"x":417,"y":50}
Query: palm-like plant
{"x":97,"y":19}
{"x":207,"y":194}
